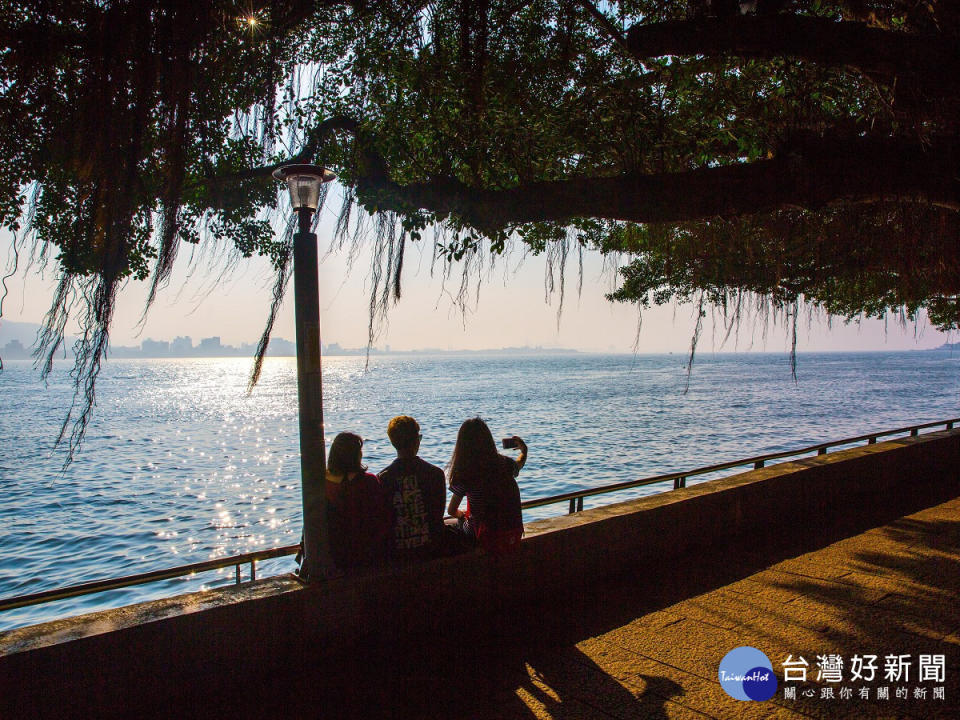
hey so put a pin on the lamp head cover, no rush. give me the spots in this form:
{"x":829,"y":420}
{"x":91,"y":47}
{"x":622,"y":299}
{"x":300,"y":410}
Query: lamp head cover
{"x":304,"y":183}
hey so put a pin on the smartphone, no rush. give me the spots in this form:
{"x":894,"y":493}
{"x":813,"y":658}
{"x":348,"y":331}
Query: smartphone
{"x":509,"y":443}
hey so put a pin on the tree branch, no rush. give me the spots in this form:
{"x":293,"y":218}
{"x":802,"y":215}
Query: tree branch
{"x":811,"y":172}
{"x":604,"y":23}
{"x":316,"y":135}
{"x":934,"y":60}
{"x":811,"y":176}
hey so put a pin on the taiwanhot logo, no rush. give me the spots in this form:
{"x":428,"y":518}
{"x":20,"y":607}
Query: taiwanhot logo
{"x":746,"y":674}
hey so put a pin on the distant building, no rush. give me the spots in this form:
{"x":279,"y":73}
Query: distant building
{"x":15,"y":349}
{"x":210,"y":346}
{"x":155,"y":348}
{"x":334,"y":349}
{"x":181,"y":346}
{"x":282,"y":347}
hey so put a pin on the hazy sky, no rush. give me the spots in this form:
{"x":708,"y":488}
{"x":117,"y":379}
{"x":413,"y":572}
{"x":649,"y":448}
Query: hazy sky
{"x":513,"y":309}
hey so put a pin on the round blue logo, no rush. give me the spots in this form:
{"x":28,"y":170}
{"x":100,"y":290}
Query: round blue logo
{"x":746,"y":674}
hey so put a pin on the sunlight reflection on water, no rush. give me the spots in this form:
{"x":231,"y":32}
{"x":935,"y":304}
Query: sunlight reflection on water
{"x":180,"y":465}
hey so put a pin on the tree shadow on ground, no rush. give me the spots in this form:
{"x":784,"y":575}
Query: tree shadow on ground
{"x":894,"y":590}
{"x":523,"y":662}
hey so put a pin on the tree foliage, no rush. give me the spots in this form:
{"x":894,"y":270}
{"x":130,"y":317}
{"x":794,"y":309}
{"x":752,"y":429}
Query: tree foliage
{"x":793,"y":149}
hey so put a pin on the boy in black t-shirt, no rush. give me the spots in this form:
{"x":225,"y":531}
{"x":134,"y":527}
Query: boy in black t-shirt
{"x":416,"y":490}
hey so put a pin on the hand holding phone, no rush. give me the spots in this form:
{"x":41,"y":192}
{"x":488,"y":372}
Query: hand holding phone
{"x":509,"y":443}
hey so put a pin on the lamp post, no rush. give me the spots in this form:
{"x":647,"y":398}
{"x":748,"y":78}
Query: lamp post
{"x":304,"y":183}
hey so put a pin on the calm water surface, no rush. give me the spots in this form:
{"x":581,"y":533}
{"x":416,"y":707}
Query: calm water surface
{"x":180,"y":465}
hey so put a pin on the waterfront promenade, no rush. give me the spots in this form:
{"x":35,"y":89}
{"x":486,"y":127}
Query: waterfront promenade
{"x":894,"y":589}
{"x":620,"y":611}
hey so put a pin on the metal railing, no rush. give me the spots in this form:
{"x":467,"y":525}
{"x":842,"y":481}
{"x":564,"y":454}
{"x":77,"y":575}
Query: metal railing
{"x":96,"y":586}
{"x":575,"y":500}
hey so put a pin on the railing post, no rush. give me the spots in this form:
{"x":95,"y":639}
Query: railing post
{"x":872,"y":441}
{"x":253,"y":570}
{"x":238,"y":573}
{"x":758,"y":464}
{"x":679,"y":483}
{"x":580,"y":503}
{"x":949,"y":426}
{"x":822,"y":451}
{"x":573,"y":506}
{"x":914,"y":432}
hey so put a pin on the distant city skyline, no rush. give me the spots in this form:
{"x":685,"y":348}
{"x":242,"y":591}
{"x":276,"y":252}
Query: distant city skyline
{"x":20,"y":346}
{"x":182,"y":346}
{"x":511,"y":308}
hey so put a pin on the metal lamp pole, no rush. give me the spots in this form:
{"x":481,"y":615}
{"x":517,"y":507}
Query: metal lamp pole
{"x":304,"y":183}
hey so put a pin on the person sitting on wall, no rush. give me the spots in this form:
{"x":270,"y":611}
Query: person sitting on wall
{"x":488,"y":480}
{"x":357,"y":512}
{"x":415,"y":490}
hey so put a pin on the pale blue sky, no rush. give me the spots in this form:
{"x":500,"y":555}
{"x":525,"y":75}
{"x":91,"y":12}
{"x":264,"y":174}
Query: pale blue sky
{"x":513,"y":309}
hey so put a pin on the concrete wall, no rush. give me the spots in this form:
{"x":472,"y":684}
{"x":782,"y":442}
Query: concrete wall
{"x":170,"y":657}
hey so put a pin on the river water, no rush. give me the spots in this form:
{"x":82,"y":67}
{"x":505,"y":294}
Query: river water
{"x":180,"y":465}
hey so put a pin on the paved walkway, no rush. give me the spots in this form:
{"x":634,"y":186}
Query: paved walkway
{"x":601,"y":653}
{"x":894,"y":590}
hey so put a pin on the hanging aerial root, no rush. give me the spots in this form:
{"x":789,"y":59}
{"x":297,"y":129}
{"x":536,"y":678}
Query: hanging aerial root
{"x":382,"y":279}
{"x":50,"y":337}
{"x":698,"y":328}
{"x":284,"y":268}
{"x":169,"y":244}
{"x":284,"y":271}
{"x":398,"y":266}
{"x":13,"y":264}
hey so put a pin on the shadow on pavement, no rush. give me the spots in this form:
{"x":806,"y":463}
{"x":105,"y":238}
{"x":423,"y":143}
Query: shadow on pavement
{"x":894,"y":590}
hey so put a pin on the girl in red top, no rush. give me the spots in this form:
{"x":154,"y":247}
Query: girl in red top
{"x":357,"y":511}
{"x":488,"y":480}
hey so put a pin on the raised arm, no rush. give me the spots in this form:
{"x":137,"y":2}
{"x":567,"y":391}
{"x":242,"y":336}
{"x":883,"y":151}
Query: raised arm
{"x":453,"y":509}
{"x":522,"y":457}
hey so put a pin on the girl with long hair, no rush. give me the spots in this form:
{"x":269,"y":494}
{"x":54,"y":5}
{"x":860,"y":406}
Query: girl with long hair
{"x":357,"y":512}
{"x":488,"y":480}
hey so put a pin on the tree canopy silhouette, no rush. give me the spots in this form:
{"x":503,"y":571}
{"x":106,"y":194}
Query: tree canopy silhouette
{"x":791,"y":150}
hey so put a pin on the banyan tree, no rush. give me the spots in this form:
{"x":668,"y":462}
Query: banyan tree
{"x":788,"y":152}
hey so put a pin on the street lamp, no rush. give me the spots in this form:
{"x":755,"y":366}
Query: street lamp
{"x":304,"y":183}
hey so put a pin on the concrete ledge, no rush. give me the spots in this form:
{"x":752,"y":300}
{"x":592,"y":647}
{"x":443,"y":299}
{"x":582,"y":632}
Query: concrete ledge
{"x":173,"y":656}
